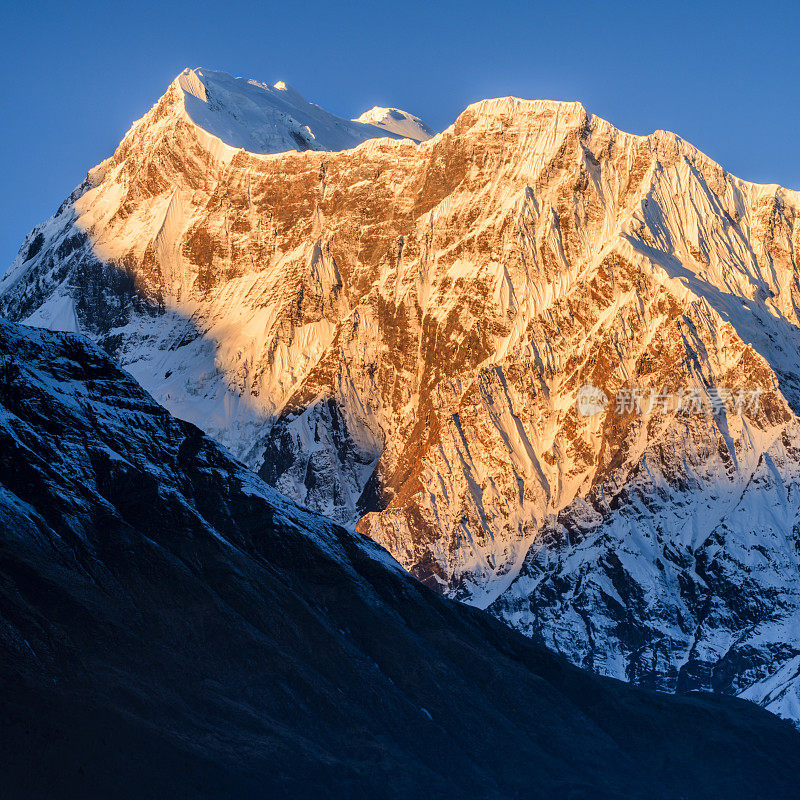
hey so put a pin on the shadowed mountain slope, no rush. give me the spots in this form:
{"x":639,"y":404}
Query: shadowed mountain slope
{"x":170,"y":626}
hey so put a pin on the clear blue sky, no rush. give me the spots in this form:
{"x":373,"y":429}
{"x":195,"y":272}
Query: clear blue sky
{"x":722,"y":75}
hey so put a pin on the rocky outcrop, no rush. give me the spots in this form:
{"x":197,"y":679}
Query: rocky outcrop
{"x":396,"y":336}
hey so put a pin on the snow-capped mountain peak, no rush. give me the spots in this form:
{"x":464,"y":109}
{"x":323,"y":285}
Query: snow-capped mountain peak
{"x":260,"y":118}
{"x":396,"y":335}
{"x":397,"y":121}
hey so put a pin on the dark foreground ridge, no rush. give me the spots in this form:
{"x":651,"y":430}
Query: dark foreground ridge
{"x":171,"y":627}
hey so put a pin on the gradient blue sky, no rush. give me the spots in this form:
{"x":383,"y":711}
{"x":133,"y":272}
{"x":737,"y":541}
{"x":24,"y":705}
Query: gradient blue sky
{"x":722,"y":75}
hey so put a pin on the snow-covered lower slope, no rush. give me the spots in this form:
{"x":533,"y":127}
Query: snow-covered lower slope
{"x":396,"y":336}
{"x":688,"y":576}
{"x":396,"y":121}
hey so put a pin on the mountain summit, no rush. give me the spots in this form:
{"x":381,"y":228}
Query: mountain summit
{"x":270,"y":119}
{"x":400,"y":336}
{"x":396,"y":121}
{"x":260,"y":118}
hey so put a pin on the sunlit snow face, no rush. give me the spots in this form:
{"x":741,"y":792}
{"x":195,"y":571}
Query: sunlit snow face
{"x":590,"y":400}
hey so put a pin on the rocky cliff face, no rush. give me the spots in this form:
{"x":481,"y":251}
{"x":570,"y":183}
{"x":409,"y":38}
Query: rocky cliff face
{"x":396,"y":336}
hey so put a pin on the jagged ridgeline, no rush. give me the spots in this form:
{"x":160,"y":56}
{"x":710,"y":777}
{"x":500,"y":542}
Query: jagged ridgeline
{"x":394,"y":334}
